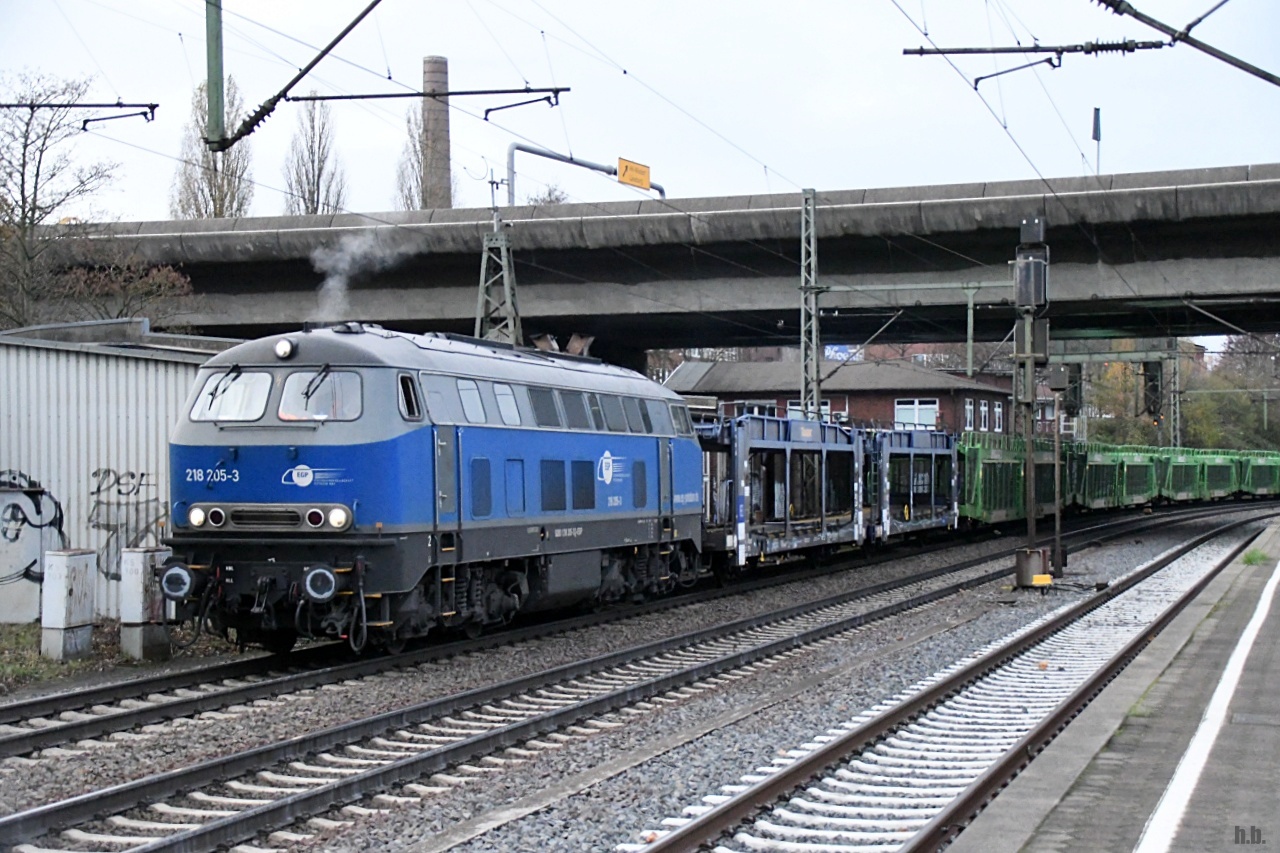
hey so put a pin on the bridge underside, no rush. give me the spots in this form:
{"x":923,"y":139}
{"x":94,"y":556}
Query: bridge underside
{"x":1144,"y":279}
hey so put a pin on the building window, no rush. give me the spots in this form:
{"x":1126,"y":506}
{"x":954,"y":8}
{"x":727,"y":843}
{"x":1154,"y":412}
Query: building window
{"x":999,"y":417}
{"x":796,"y":413}
{"x":968,"y":413}
{"x":983,"y":406}
{"x":918,"y":414}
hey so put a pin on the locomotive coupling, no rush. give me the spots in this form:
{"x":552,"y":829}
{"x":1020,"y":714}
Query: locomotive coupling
{"x":179,"y":582}
{"x":320,"y":584}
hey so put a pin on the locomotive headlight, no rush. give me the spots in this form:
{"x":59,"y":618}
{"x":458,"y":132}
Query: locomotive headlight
{"x":338,"y":518}
{"x":284,"y":348}
{"x":196,"y":517}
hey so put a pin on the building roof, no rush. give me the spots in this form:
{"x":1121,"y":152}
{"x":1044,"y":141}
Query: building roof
{"x":129,"y":338}
{"x":728,"y":378}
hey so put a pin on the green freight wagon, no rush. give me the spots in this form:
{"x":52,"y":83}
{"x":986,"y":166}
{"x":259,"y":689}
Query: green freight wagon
{"x":1099,"y":484}
{"x":1220,"y":473}
{"x":1259,"y":472}
{"x":1180,"y":474}
{"x":1136,"y":480}
{"x":992,"y":467}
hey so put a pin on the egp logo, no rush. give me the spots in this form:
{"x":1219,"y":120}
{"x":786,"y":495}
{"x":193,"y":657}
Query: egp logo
{"x":610,"y":468}
{"x":300,"y":475}
{"x":604,"y":468}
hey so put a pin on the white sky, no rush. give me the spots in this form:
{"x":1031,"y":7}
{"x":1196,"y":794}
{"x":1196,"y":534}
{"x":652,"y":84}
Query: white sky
{"x":718,"y":98}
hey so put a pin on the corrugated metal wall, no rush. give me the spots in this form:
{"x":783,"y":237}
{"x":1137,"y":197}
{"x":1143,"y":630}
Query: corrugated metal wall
{"x":93,"y":429}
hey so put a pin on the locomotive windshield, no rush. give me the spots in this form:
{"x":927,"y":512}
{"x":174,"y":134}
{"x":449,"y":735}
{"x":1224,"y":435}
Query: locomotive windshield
{"x":233,"y":395}
{"x":322,"y":395}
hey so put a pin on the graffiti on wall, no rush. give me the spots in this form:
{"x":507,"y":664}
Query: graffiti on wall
{"x":126,"y":506}
{"x":26,"y":509}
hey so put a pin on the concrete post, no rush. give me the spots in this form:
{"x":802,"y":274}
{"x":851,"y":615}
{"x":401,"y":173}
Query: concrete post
{"x":142,"y":607}
{"x":437,"y":176}
{"x":66,"y":604}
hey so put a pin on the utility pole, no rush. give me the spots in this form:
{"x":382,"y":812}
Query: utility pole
{"x":1031,"y":280}
{"x":810,"y":338}
{"x":497,"y":317}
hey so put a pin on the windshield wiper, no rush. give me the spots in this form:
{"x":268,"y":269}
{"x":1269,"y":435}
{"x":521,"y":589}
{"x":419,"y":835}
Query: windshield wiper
{"x":224,"y":382}
{"x":314,"y":385}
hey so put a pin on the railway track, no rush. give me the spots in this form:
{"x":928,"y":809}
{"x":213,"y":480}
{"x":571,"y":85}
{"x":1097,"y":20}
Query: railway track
{"x":910,"y":773}
{"x":71,"y":717}
{"x":410,"y":753}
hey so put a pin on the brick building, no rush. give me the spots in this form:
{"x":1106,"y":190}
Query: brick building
{"x":880,"y":393}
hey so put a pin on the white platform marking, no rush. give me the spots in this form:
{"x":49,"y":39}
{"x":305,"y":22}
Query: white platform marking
{"x":1157,"y":836}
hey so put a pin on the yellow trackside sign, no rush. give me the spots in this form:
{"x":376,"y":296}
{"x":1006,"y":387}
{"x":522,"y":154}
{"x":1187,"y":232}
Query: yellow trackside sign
{"x":635,"y":174}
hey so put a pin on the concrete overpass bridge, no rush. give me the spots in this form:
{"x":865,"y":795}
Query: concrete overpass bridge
{"x":1133,"y":255}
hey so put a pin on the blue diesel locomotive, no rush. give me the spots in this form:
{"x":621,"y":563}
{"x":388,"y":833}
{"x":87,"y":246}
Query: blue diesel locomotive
{"x":361,"y":483}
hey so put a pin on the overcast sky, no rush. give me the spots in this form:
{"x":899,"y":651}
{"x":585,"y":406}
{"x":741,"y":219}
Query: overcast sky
{"x":718,"y":98}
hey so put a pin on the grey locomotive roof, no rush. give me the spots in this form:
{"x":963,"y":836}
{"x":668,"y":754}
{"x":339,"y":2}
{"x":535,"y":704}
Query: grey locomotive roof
{"x":454,"y":355}
{"x":783,"y":377}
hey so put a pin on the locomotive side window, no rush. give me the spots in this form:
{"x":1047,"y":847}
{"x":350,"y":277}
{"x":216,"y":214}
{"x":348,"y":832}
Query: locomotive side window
{"x":632,"y":407}
{"x":232,"y":395}
{"x":507,"y":407}
{"x":322,"y":395}
{"x":597,"y":414}
{"x":639,"y":485}
{"x":552,"y":471}
{"x":545,"y":413}
{"x":680,"y":415}
{"x":584,"y":485}
{"x":575,"y":410}
{"x":613,"y":414}
{"x":481,"y":488}
{"x":660,"y":417}
{"x":472,"y":405}
{"x":410,"y":407}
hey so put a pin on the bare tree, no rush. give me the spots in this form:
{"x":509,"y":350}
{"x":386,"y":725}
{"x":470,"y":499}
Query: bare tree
{"x":409,"y":172}
{"x":411,"y":194}
{"x":39,"y":180}
{"x":212,"y":184}
{"x":313,"y":174}
{"x":552,"y":194}
{"x":121,"y":287}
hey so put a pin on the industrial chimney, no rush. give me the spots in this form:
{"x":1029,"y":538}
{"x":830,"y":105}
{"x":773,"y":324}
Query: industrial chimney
{"x":437,"y":178}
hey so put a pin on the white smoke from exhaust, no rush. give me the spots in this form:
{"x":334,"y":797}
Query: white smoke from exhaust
{"x":355,"y":255}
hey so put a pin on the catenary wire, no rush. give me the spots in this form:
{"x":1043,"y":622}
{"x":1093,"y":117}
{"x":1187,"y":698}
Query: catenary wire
{"x":1088,"y":234}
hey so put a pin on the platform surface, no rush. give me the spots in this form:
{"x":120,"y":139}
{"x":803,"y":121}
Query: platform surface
{"x":1098,"y":784}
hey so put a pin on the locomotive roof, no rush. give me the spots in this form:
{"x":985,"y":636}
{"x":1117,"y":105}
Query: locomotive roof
{"x":356,"y":345}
